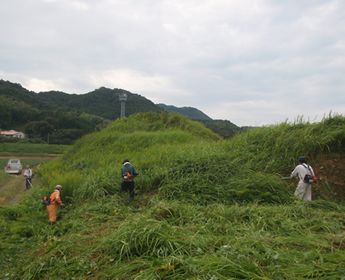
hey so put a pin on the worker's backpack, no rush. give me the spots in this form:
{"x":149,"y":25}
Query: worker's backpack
{"x":46,"y":200}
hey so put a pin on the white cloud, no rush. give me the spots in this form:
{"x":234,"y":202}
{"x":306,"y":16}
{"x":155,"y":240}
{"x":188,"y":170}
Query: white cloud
{"x":154,"y":87}
{"x":80,"y":5}
{"x":247,"y":61}
{"x":41,"y":85}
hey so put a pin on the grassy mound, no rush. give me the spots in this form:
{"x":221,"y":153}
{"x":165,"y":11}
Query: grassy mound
{"x":206,"y":208}
{"x":184,"y":160}
{"x":152,"y":141}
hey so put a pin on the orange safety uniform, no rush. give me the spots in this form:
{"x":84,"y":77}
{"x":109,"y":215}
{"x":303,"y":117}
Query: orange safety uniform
{"x":55,"y":202}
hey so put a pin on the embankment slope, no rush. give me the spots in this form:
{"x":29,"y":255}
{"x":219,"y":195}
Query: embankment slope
{"x":206,"y":208}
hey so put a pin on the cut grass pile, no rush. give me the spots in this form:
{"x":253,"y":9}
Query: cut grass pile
{"x":106,"y":239}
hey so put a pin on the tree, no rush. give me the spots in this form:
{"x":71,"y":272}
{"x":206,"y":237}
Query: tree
{"x":38,"y":129}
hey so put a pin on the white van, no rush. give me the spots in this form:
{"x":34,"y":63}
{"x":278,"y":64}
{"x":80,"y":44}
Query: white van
{"x":13,"y":166}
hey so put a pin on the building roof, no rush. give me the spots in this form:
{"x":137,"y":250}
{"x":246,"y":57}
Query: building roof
{"x":9,"y":132}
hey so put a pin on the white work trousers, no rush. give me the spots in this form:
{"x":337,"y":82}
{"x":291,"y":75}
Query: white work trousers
{"x":303,"y":191}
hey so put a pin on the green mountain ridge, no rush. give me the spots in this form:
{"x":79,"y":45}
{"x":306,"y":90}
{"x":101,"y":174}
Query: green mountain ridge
{"x":62,"y":118}
{"x":103,"y":102}
{"x":189,"y":112}
{"x":224,"y":128}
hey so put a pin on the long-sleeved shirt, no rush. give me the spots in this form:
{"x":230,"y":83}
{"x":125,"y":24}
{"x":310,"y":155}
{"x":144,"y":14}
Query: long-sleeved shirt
{"x":55,"y":198}
{"x":301,"y":170}
{"x":28,"y":173}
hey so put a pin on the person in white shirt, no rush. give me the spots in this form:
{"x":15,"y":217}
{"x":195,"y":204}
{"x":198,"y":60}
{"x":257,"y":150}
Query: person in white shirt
{"x":28,"y":177}
{"x":303,"y":190}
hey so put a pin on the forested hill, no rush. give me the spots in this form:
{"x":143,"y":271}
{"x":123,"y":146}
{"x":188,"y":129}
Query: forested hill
{"x":61,"y":118}
{"x":223,"y":128}
{"x":103,"y":102}
{"x":189,"y":112}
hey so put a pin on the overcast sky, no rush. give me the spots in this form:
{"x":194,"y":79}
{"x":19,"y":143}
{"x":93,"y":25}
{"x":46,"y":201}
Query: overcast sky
{"x":253,"y":62}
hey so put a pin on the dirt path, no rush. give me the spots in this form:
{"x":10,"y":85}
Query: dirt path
{"x":12,"y":187}
{"x":12,"y":191}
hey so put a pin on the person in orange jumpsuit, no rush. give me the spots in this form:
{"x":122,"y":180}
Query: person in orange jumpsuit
{"x":55,"y":203}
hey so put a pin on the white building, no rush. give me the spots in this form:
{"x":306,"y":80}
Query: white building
{"x":12,"y":134}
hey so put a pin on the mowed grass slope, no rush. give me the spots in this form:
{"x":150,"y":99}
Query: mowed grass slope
{"x":206,"y":208}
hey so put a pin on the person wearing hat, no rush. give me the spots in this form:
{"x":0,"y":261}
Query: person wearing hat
{"x":128,"y":173}
{"x":54,"y":204}
{"x":304,"y":172}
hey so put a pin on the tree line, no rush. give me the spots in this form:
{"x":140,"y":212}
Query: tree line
{"x":59,"y":118}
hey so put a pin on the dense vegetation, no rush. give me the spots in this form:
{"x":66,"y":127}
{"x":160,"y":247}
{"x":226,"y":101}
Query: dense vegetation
{"x":61,"y":118}
{"x":206,"y":208}
{"x":103,"y":102}
{"x":189,"y":112}
{"x":224,"y":128}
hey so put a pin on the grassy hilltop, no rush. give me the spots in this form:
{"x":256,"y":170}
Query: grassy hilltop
{"x":206,"y":208}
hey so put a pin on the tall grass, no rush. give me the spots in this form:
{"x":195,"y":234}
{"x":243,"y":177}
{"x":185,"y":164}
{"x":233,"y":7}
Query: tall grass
{"x":187,"y":162}
{"x":206,"y":208}
{"x":174,"y":240}
{"x":275,"y":148}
